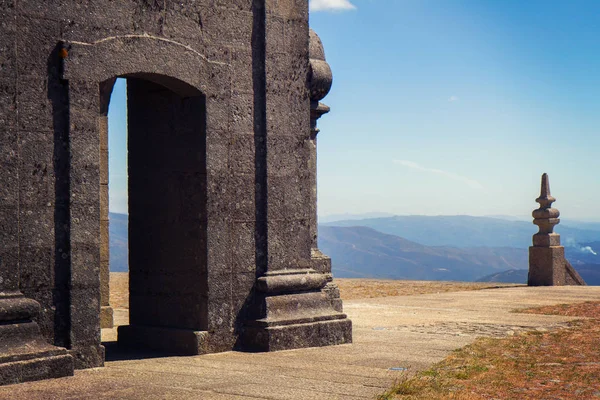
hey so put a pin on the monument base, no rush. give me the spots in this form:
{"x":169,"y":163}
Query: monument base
{"x":24,"y":354}
{"x":185,"y":342}
{"x":322,"y":263}
{"x":546,"y":266}
{"x":294,"y":311}
{"x":295,"y":336}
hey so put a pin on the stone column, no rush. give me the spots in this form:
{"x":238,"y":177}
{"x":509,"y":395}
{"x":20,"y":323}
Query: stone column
{"x":321,"y":79}
{"x":106,"y":311}
{"x":547,"y":263}
{"x":290,"y":307}
{"x":26,"y":229}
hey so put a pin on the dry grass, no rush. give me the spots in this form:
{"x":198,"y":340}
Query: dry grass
{"x":370,"y":288}
{"x":119,"y":289}
{"x":589,"y":309}
{"x":563,"y":364}
{"x":349,"y":288}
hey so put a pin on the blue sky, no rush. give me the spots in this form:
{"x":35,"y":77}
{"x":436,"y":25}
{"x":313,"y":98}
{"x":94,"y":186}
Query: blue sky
{"x":452,"y":107}
{"x":458,"y":107}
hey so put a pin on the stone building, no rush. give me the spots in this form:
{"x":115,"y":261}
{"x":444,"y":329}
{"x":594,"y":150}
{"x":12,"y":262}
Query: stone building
{"x":223,"y":98}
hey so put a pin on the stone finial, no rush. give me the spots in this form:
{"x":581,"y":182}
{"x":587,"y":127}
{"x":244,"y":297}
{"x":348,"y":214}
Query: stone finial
{"x":546,"y":217}
{"x":545,"y":198}
{"x":321,"y":77}
{"x":320,"y":81}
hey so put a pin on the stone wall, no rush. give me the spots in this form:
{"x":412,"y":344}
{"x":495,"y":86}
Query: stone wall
{"x":244,"y":66}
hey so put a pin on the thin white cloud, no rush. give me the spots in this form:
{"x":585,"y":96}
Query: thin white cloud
{"x":452,"y":99}
{"x":331,"y":5}
{"x":471,"y":182}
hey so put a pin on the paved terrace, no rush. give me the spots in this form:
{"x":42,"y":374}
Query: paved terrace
{"x":394,"y":332}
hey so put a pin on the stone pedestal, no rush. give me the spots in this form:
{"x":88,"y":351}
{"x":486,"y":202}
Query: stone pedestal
{"x":546,"y":266}
{"x":322,"y":263}
{"x":291,"y":311}
{"x":24,"y":354}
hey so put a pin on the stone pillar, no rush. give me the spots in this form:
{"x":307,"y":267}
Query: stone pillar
{"x":26,"y":229}
{"x":106,"y":311}
{"x":290,"y":307}
{"x":321,"y":79}
{"x":547,"y":263}
{"x":24,"y":353}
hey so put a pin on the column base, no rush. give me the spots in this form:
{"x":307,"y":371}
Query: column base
{"x":185,"y":342}
{"x":36,"y":366}
{"x":296,"y":336}
{"x":322,"y":263}
{"x":293,"y":311}
{"x":24,"y":354}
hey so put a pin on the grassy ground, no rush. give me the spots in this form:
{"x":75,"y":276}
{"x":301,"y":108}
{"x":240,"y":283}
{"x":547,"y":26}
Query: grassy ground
{"x":562,"y":364}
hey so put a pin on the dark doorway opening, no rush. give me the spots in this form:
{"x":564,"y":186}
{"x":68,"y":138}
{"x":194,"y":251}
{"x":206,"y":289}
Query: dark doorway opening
{"x":166,"y":237}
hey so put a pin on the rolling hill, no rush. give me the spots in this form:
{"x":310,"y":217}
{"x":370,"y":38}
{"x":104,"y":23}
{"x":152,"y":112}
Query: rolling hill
{"x":364,"y":252}
{"x":119,"y":251}
{"x":466,"y":231}
{"x":360,"y":251}
{"x":589,"y":272}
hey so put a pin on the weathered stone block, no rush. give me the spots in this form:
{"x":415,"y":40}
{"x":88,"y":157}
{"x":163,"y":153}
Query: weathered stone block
{"x":546,"y":266}
{"x":243,"y":247}
{"x":236,"y":31}
{"x":9,"y":190}
{"x":36,"y":267}
{"x":217,"y":153}
{"x":289,"y":244}
{"x":8,"y":108}
{"x":36,"y":169}
{"x":241,"y":69}
{"x":85,"y":261}
{"x":37,"y":226}
{"x":36,"y":39}
{"x":35,"y":109}
{"x":9,"y":266}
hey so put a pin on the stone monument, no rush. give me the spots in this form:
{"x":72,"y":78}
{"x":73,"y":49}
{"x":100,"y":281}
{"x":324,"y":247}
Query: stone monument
{"x":547,"y":263}
{"x":223,"y":98}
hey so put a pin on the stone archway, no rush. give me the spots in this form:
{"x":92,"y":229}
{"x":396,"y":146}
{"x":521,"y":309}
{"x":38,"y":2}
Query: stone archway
{"x":169,"y":224}
{"x":248,"y":64}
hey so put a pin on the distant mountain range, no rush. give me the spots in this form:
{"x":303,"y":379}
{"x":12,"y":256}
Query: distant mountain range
{"x":466,"y":231}
{"x":364,"y":252}
{"x":447,"y":248}
{"x":351,"y":217}
{"x":118,"y":233}
{"x":429,"y":248}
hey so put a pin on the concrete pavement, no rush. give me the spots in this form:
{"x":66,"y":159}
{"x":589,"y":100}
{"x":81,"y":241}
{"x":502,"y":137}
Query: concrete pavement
{"x":390,"y":334}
